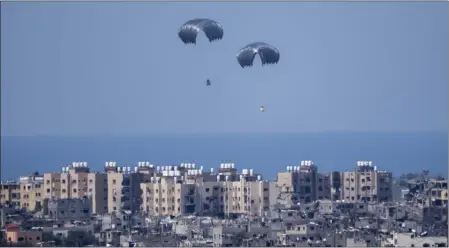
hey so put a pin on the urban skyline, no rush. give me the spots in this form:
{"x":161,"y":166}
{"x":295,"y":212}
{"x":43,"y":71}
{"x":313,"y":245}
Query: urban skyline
{"x":102,"y":186}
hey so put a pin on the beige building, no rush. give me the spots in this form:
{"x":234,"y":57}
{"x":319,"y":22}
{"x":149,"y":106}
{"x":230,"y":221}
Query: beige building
{"x":124,"y":185}
{"x":97,"y":187}
{"x":52,"y":185}
{"x":31,"y":192}
{"x":299,"y":184}
{"x":166,"y":196}
{"x":185,"y":190}
{"x":10,"y":193}
{"x":234,"y":193}
{"x":303,"y":184}
{"x":366,"y":183}
{"x":76,"y":181}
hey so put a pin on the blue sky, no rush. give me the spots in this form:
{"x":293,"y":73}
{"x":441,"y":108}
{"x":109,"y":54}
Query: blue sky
{"x":119,"y":68}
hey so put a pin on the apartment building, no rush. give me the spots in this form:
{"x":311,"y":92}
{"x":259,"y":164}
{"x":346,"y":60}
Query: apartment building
{"x":249,"y":195}
{"x":10,"y":193}
{"x":383,"y":187}
{"x":300,"y":183}
{"x":52,"y":185}
{"x":366,"y":183}
{"x":166,"y":195}
{"x":71,"y":182}
{"x":336,"y":185}
{"x":97,"y":187}
{"x":31,"y":192}
{"x":230,"y":192}
{"x":124,"y":189}
{"x":438,"y":192}
{"x":184,"y":190}
{"x":323,"y":186}
{"x":76,"y":181}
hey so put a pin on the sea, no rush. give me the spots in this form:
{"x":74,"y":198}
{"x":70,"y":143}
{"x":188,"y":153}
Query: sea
{"x":268,"y":154}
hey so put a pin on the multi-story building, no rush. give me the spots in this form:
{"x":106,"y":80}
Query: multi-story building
{"x":323,"y":188}
{"x":52,"y":185}
{"x":124,"y":190}
{"x":97,"y":187}
{"x":438,"y":192}
{"x":229,"y":192}
{"x":31,"y":192}
{"x":336,"y":185}
{"x":366,"y":183}
{"x":76,"y":181}
{"x":166,"y":195}
{"x":183,"y":190}
{"x":10,"y":193}
{"x":299,"y":183}
{"x":349,"y":189}
{"x":383,"y":187}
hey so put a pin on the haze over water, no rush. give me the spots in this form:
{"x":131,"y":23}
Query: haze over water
{"x":266,"y":153}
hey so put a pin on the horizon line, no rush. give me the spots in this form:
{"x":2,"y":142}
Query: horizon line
{"x":226,"y":133}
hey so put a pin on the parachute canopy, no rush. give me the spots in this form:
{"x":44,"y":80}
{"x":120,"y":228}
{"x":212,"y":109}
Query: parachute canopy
{"x":268,"y":54}
{"x":189,"y":30}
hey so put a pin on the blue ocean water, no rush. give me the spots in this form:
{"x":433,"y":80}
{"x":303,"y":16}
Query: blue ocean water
{"x":266,"y":153}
